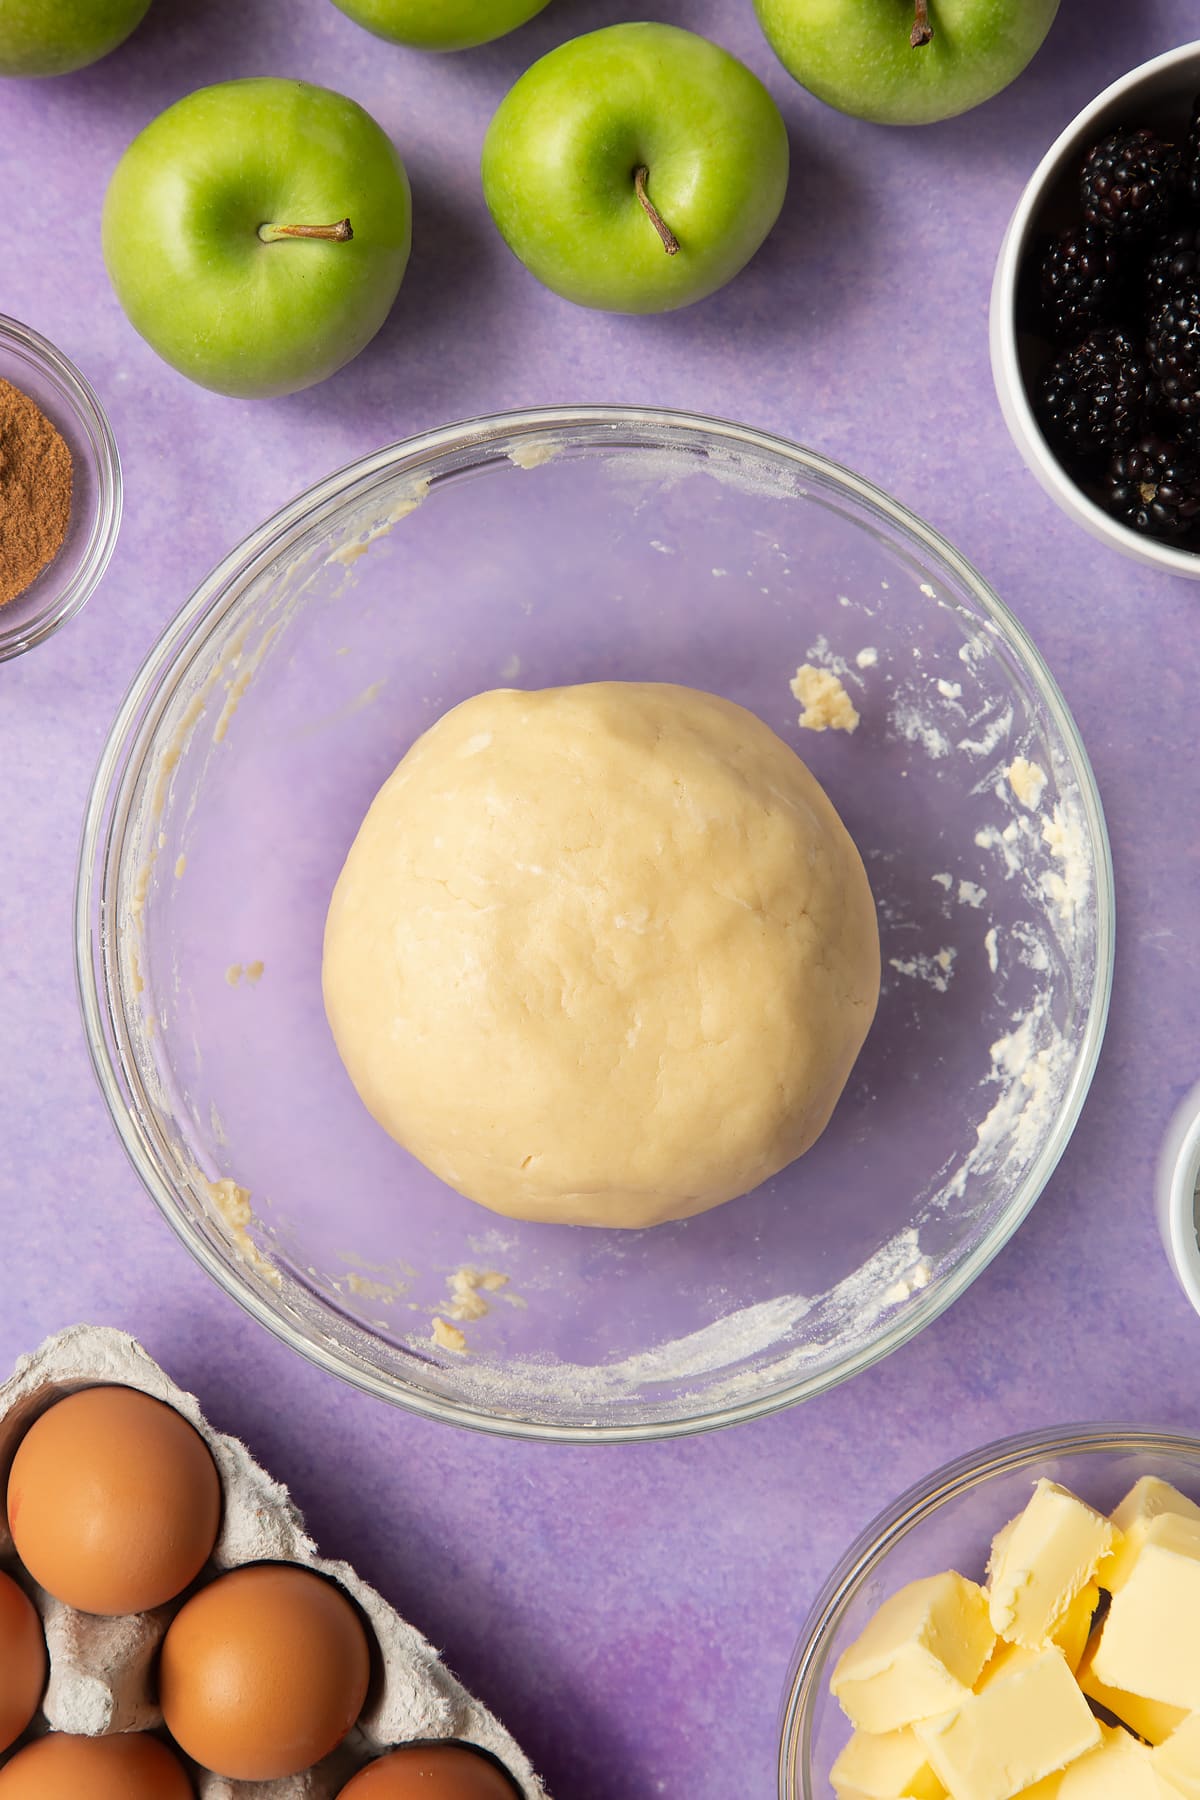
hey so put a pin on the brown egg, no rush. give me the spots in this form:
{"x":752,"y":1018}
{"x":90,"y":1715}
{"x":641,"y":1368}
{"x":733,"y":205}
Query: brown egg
{"x":113,"y":1501}
{"x":263,"y":1672}
{"x":22,"y":1661}
{"x":58,"y":1767}
{"x":430,"y":1772}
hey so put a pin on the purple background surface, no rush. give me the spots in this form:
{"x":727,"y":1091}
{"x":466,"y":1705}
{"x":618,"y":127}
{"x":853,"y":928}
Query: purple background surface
{"x":629,"y":1611}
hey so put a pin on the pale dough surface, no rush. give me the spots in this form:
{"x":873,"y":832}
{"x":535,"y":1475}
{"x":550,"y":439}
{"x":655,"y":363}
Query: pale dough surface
{"x":601,"y":954}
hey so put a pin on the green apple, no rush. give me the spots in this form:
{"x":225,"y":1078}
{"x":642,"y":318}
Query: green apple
{"x":256,"y":234}
{"x":55,"y":37}
{"x":447,"y":25}
{"x":636,"y":168}
{"x":905,"y":62}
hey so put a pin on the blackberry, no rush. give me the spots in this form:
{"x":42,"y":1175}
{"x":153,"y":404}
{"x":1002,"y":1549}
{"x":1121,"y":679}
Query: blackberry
{"x":1131,"y":183}
{"x":1154,"y":487}
{"x":1173,"y":260}
{"x":1173,"y":345}
{"x":1080,"y":282}
{"x":1094,"y":396}
{"x":1191,"y":156}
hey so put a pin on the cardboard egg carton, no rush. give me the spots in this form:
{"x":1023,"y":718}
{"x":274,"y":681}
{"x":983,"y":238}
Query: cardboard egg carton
{"x":102,"y":1671}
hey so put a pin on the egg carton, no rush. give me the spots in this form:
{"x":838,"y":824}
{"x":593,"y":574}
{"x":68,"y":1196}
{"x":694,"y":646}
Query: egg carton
{"x":102,"y":1670}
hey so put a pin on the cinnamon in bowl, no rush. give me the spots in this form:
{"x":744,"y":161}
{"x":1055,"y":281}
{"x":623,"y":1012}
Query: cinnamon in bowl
{"x":36,"y":478}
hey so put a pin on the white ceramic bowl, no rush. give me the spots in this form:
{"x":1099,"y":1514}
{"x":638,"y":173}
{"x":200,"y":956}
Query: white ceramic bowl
{"x":1158,"y":93}
{"x":1178,"y":1194}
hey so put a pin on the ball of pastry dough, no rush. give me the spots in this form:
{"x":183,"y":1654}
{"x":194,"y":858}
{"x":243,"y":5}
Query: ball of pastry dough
{"x":602,"y":955}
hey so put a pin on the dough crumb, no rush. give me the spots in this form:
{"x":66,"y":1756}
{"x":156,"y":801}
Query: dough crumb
{"x":825,"y":704}
{"x":530,"y":454}
{"x":232,"y":1204}
{"x":449,"y":1337}
{"x":254,"y":971}
{"x":180,"y":866}
{"x":234,"y":973}
{"x":867,"y":657}
{"x":936,"y":970}
{"x":1027,"y":781}
{"x":466,"y":1297}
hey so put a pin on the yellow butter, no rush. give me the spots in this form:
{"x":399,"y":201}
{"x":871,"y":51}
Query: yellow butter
{"x":1042,"y":1562}
{"x":919,"y":1655}
{"x":1150,"y":1641}
{"x":1151,"y":1719}
{"x":1073,"y":1630}
{"x":1146,"y":1500}
{"x":1024,"y":1725}
{"x":1119,"y":1768}
{"x":1177,"y":1760}
{"x":892,"y":1766}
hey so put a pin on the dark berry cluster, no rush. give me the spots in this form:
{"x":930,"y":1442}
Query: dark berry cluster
{"x":1118,"y":296}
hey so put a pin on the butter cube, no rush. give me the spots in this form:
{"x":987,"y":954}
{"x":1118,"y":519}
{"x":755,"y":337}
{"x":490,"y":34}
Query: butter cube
{"x":1041,"y":1565}
{"x":1150,"y":1641}
{"x":1073,"y":1630}
{"x":919,"y":1655}
{"x":1177,"y":1760}
{"x":1151,"y":1719}
{"x":892,"y":1766}
{"x":1119,"y":1768}
{"x":1146,"y":1500}
{"x":999,"y":1544}
{"x":1027,"y":1723}
{"x":1004,"y":1658}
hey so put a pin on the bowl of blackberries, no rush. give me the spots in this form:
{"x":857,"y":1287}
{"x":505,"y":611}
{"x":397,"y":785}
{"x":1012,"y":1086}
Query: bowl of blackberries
{"x":1095,"y":315}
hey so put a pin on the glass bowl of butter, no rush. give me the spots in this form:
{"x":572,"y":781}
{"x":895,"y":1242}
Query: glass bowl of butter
{"x":1025,"y":1621}
{"x":548,"y":548}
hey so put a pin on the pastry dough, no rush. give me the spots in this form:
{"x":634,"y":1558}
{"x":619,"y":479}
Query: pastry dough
{"x":602,"y":955}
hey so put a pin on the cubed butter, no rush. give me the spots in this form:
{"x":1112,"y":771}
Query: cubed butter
{"x":1003,"y":1658}
{"x":1150,"y":1641}
{"x":1043,"y":1562}
{"x":919,"y":1655}
{"x":893,"y":1766}
{"x":1177,"y":1760}
{"x":1073,"y":1630}
{"x":1027,"y":1723}
{"x":1119,"y":1768}
{"x":1146,"y":1500}
{"x":998,"y":1546}
{"x":1151,"y":1719}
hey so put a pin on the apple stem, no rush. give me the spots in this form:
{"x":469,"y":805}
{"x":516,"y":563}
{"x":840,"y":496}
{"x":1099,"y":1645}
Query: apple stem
{"x":670,"y":242}
{"x":341,"y":233}
{"x":922,"y":30}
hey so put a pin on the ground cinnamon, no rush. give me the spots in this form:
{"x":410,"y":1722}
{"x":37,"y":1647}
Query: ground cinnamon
{"x":35,"y":491}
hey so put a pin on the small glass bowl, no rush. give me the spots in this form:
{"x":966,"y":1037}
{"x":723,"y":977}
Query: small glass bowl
{"x":30,"y":362}
{"x":947,"y":1522}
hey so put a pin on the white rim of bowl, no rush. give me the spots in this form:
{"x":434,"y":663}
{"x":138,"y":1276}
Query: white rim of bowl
{"x":1011,"y":391}
{"x":889,"y":1526}
{"x":93,"y":422}
{"x":109,"y":804}
{"x":1178,"y":1193}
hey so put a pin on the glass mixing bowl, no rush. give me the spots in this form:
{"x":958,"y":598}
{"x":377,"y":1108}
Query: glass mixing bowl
{"x":948,"y":1522}
{"x":563,"y":546}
